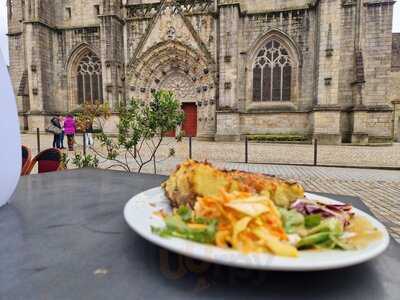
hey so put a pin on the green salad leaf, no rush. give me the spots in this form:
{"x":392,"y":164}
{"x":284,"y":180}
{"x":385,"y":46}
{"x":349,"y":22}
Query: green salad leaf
{"x":313,"y":239}
{"x":330,"y":225}
{"x":312,"y":221}
{"x":327,"y":234}
{"x":185,"y":213}
{"x":292,"y":220}
{"x":176,"y":225}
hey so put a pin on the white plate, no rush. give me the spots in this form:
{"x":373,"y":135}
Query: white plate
{"x":139,"y":214}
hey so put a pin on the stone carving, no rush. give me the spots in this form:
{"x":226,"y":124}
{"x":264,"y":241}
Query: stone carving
{"x":90,"y":64}
{"x":181,"y":86}
{"x":143,"y":10}
{"x":171,"y":33}
{"x":199,"y":6}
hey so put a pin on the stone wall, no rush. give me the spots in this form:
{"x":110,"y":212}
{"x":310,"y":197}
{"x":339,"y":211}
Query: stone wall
{"x":135,"y":30}
{"x":277,"y":123}
{"x":394,"y":87}
{"x":377,"y":49}
{"x":16,"y":47}
{"x":17,"y":65}
{"x":297,"y":26}
{"x":15,"y":16}
{"x":229,"y":39}
{"x":396,"y":121}
{"x":256,"y":6}
{"x":83,"y":13}
{"x":43,"y":60}
{"x":396,"y":52}
{"x":112,"y":56}
{"x":346,"y":67}
{"x":329,"y":51}
{"x":326,"y":126}
{"x":65,"y":43}
{"x":228,"y":126}
{"x":379,"y":125}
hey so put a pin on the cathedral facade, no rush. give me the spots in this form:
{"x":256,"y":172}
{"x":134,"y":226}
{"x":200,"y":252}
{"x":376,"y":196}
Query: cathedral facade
{"x":328,"y":69}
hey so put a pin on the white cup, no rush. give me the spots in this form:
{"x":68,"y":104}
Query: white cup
{"x":10,"y":140}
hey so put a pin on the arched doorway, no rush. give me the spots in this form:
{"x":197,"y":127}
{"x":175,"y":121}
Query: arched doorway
{"x":184,"y":90}
{"x":176,"y":67}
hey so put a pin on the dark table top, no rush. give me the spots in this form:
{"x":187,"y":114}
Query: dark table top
{"x":63,"y":236}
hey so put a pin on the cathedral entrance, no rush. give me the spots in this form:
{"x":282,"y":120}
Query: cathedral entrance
{"x":172,"y":66}
{"x":189,"y":125}
{"x":184,"y":90}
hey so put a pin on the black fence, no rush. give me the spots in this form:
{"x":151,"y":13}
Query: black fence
{"x":245,"y":156}
{"x":316,"y":154}
{"x":246,"y":152}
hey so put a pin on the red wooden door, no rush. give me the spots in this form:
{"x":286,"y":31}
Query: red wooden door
{"x":190,"y":124}
{"x":170,"y":133}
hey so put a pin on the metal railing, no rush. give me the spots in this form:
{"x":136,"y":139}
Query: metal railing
{"x":310,"y":154}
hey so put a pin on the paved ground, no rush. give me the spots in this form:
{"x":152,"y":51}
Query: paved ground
{"x":380,"y":189}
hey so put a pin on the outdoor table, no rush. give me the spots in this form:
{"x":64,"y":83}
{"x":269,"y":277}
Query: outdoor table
{"x":63,"y":236}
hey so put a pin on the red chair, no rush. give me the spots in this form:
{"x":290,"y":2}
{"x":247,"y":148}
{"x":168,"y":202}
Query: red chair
{"x":48,"y":161}
{"x":26,"y":160}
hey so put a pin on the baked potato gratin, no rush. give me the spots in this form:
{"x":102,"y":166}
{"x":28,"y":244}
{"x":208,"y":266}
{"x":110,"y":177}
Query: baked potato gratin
{"x":193,"y":179}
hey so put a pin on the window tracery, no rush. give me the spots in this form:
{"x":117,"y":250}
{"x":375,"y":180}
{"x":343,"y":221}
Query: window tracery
{"x":272,"y":73}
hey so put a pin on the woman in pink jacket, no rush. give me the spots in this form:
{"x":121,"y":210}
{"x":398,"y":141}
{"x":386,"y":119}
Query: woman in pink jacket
{"x":70,"y":129}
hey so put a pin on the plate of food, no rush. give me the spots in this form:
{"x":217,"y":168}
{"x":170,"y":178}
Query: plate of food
{"x":253,"y":221}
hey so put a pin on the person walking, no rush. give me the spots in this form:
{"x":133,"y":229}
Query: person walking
{"x":56,"y":129}
{"x":70,"y":129}
{"x":62,"y":135}
{"x":89,"y":134}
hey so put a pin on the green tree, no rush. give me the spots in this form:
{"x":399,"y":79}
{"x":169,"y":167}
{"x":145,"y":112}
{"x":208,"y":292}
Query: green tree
{"x":141,"y":131}
{"x":92,"y":114}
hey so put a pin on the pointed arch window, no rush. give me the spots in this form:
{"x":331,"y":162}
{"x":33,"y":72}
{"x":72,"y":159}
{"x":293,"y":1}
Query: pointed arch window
{"x":272,"y":73}
{"x":89,"y":79}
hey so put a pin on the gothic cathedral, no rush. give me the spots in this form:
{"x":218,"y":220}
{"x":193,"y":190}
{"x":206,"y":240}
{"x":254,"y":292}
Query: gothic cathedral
{"x":328,"y":69}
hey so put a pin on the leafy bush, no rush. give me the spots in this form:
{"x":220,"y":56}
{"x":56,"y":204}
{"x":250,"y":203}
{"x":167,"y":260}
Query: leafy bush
{"x":85,"y":161}
{"x":141,"y":130}
{"x":277,"y":138}
{"x":64,"y":160}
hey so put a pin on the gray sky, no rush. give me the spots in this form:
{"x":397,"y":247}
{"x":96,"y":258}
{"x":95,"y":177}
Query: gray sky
{"x":3,"y":25}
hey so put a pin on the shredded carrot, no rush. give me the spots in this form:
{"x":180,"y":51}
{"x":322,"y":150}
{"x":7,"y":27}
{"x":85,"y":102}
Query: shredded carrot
{"x":244,"y":240}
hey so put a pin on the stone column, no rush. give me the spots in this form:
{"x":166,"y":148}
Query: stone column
{"x":327,"y":126}
{"x":326,"y":114}
{"x":396,"y":120}
{"x":228,"y":119}
{"x":38,"y":30}
{"x":360,"y":124}
{"x":376,"y":45}
{"x":228,"y":126}
{"x":112,"y":52}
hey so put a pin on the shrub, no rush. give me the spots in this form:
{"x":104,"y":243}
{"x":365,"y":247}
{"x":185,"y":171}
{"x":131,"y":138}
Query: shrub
{"x":141,"y":130}
{"x":277,"y":138}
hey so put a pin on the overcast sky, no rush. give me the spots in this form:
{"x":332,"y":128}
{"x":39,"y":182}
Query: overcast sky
{"x":3,"y":25}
